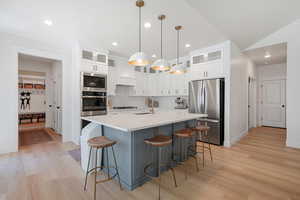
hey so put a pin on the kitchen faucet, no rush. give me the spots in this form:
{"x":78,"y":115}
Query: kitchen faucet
{"x":152,"y":105}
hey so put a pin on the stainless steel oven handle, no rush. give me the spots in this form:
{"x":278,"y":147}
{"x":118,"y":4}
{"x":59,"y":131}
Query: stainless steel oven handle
{"x":94,"y":97}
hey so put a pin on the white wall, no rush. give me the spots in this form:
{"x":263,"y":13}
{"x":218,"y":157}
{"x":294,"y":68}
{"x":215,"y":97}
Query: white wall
{"x":289,"y":34}
{"x":267,"y":72}
{"x":10,"y":46}
{"x":241,"y":69}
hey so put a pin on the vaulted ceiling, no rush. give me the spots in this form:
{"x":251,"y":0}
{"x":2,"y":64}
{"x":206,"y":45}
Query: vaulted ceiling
{"x":98,"y":23}
{"x":247,"y":21}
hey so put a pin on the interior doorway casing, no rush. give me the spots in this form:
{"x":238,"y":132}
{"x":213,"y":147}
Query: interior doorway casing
{"x":53,"y":56}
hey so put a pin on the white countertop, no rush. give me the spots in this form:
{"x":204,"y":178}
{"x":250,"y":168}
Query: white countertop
{"x":129,"y":121}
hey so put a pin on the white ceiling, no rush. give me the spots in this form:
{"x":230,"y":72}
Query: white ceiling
{"x":247,"y":21}
{"x":98,"y":23}
{"x":278,"y":54}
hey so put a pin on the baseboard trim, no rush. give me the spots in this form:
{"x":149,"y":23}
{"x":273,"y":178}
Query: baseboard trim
{"x":238,"y":137}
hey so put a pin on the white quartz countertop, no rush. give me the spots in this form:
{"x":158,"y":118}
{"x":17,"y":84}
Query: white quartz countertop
{"x":130,"y":121}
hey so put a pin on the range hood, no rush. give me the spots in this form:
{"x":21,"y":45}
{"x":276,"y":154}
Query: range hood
{"x":126,"y":81}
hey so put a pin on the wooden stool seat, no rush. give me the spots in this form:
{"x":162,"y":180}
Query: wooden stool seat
{"x":100,"y":142}
{"x":159,"y":140}
{"x":185,"y":133}
{"x":201,"y":128}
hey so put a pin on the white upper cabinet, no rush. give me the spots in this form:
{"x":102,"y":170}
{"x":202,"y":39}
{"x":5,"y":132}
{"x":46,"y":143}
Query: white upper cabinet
{"x":94,"y":56}
{"x":93,"y":61}
{"x":207,"y":64}
{"x":141,"y":83}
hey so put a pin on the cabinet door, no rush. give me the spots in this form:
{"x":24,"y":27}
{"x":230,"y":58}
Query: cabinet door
{"x":198,"y":71}
{"x":207,"y":70}
{"x":88,"y":66}
{"x":101,"y":58}
{"x":139,"y":87}
{"x":160,"y":84}
{"x":214,"y":69}
{"x":151,"y":84}
{"x":166,"y":84}
{"x":111,"y":80}
{"x":185,"y":83}
{"x":102,"y":69}
{"x":87,"y":55}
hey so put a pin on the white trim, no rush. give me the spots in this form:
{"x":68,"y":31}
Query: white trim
{"x":237,"y":138}
{"x":57,"y":57}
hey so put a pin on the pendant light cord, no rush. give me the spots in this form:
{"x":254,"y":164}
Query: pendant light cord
{"x":161,"y":40}
{"x":140,"y":30}
{"x":177,"y":47}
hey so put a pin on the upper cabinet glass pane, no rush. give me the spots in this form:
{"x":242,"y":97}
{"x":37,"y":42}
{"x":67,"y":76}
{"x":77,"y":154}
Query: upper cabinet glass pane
{"x":87,"y":55}
{"x":101,"y":58}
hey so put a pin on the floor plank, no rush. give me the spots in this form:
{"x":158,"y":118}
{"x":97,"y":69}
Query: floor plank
{"x":257,"y":167}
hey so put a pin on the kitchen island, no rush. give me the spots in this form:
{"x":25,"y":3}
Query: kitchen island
{"x":131,"y":129}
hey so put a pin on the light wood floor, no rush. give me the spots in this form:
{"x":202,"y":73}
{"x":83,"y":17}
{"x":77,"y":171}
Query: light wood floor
{"x":258,"y":167}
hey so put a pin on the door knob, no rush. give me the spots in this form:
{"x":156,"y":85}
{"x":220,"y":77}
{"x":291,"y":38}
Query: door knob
{"x":282,"y":106}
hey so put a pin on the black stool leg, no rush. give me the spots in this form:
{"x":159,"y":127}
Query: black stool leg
{"x":107,"y":160}
{"x":87,"y":171}
{"x":112,"y":148}
{"x":159,"y":178}
{"x":182,"y":155}
{"x":96,"y":160}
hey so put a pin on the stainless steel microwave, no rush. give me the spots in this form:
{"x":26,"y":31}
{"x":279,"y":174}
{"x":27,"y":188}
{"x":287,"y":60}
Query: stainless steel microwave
{"x":93,"y":82}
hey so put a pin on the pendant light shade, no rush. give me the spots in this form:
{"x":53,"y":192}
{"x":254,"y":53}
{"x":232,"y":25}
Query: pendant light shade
{"x":139,"y":58}
{"x":161,"y":64}
{"x":178,"y":68}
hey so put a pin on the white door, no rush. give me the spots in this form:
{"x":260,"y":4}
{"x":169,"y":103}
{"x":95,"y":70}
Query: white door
{"x":273,"y":103}
{"x":49,"y":102}
{"x":57,"y":96}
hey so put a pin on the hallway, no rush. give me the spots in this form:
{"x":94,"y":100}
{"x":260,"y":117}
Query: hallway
{"x":258,"y":167}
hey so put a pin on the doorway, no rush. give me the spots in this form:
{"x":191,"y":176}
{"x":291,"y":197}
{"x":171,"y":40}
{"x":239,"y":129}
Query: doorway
{"x":270,"y":66}
{"x":40,"y":94}
{"x":273,"y":112}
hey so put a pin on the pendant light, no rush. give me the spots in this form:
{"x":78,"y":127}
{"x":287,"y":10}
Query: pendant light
{"x":139,"y":58}
{"x":161,"y":64}
{"x":178,"y":68}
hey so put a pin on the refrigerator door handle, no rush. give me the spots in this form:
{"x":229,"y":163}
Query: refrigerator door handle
{"x":205,"y":97}
{"x":202,"y":98}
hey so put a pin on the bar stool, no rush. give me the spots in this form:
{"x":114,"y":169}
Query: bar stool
{"x":187,"y":134}
{"x":159,"y":142}
{"x":202,"y":133}
{"x":97,"y":143}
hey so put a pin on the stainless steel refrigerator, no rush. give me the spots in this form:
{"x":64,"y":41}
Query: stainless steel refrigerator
{"x":207,"y":97}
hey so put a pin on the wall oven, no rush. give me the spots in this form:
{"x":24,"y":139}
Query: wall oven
{"x":93,"y":82}
{"x":93,"y":94}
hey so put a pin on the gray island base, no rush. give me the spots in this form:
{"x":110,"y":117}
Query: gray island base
{"x":132,"y":153}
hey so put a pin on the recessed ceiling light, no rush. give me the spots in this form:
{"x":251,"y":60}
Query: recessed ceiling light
{"x":153,"y":56}
{"x":48,"y":22}
{"x":114,"y":44}
{"x":267,"y":55}
{"x":147,"y":25}
{"x":187,"y":45}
